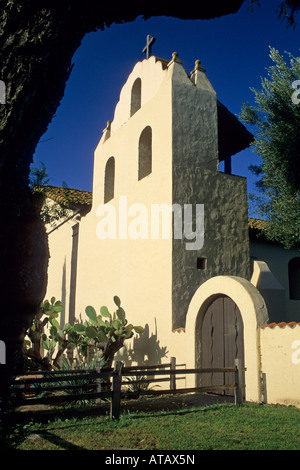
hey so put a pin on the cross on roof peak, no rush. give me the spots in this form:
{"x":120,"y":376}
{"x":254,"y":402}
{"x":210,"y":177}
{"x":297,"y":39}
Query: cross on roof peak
{"x":149,"y":44}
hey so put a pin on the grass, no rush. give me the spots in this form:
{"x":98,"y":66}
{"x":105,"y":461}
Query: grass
{"x":215,"y":427}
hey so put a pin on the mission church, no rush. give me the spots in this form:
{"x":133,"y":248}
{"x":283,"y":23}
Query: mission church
{"x":206,"y":289}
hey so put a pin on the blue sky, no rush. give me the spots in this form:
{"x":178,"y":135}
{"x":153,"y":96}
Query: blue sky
{"x":233,"y":49}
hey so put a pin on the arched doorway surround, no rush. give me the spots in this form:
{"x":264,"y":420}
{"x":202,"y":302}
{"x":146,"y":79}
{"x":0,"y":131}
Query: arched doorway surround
{"x":254,"y":314}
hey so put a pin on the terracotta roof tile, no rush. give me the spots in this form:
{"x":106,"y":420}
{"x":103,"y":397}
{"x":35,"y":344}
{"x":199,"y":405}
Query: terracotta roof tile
{"x":68,"y":197}
{"x":281,"y":324}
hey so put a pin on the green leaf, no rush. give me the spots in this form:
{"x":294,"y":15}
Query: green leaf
{"x":121,"y":314}
{"x":138,"y":329}
{"x":116,"y":324}
{"x":104,"y":312}
{"x":67,"y":327}
{"x":102,"y":338}
{"x":53,"y":330}
{"x":53,"y":299}
{"x":128,"y":333}
{"x":45,"y":305}
{"x":58,"y":308}
{"x":91,"y":332}
{"x":53,"y":314}
{"x":117,"y":301}
{"x":79,"y":328}
{"x":119,"y":332}
{"x":55,"y":323}
{"x":46,"y":344}
{"x":100,"y":321}
{"x":91,"y":313}
{"x":60,"y":335}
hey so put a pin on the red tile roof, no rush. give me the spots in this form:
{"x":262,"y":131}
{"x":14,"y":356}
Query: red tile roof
{"x":281,"y":324}
{"x":67,"y":197}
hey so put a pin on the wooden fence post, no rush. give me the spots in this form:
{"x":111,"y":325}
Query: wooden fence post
{"x":116,"y":391}
{"x":238,"y":382}
{"x":172,"y":376}
{"x":98,"y":382}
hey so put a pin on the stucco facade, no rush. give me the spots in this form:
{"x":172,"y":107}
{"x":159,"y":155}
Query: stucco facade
{"x":154,"y":276}
{"x":168,"y":232}
{"x":280,"y":363}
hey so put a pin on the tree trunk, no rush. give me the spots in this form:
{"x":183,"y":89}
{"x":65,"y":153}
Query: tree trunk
{"x":109,"y":350}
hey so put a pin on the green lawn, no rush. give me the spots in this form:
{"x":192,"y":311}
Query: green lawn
{"x":216,"y":427}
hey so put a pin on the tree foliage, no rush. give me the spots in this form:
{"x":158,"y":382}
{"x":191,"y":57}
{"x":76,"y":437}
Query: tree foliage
{"x":275,"y":117}
{"x":51,"y":212}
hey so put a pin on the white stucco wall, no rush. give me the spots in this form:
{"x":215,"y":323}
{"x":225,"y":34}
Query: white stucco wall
{"x":280,"y":358}
{"x":59,"y":266}
{"x":138,"y":271}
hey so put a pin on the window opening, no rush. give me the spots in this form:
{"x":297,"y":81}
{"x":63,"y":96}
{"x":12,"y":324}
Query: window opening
{"x":201,"y":263}
{"x":145,"y":153}
{"x":109,"y":180}
{"x":136,"y":93}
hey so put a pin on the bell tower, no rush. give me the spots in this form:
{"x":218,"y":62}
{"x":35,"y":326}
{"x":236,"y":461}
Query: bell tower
{"x":157,"y":158}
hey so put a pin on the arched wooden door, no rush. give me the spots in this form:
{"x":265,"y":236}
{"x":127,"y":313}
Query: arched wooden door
{"x":222,"y":341}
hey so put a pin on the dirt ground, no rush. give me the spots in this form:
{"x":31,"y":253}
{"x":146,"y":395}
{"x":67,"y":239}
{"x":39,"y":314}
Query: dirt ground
{"x":178,"y":402}
{"x":144,"y":404}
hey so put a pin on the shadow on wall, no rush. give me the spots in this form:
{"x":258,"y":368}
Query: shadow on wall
{"x":63,"y":295}
{"x":145,"y":350}
{"x":271,"y":290}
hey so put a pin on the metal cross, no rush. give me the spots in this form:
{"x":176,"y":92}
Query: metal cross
{"x":147,"y":48}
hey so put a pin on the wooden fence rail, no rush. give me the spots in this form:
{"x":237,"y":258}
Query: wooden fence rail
{"x":102,"y":384}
